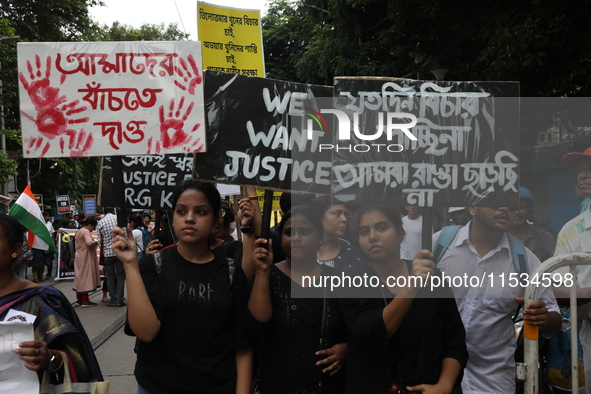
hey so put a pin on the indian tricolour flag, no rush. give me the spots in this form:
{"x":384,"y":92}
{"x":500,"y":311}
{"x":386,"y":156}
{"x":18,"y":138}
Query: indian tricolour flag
{"x":26,"y":211}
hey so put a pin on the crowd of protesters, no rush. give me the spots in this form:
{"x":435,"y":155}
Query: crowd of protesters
{"x":214,"y":314}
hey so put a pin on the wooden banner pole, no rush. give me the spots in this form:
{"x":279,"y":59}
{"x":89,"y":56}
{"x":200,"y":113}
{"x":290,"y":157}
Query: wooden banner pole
{"x":427,"y":242}
{"x":118,"y":185}
{"x":267,"y":209}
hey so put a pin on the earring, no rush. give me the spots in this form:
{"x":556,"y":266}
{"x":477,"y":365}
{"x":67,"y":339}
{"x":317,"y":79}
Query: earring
{"x":14,"y":255}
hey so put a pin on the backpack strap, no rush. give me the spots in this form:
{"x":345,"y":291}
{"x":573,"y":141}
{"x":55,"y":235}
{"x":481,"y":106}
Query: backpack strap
{"x":519,"y":255}
{"x":447,"y":235}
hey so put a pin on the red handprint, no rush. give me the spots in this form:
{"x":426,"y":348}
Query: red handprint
{"x":39,"y":90}
{"x":172,"y":132}
{"x":53,"y":112}
{"x":196,"y":146}
{"x":38,"y":145}
{"x":52,"y":121}
{"x":191,"y":77}
{"x":79,"y":144}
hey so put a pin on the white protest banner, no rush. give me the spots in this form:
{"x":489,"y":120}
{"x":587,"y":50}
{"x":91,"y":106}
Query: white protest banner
{"x":14,"y":377}
{"x":111,"y":98}
{"x":228,"y":190}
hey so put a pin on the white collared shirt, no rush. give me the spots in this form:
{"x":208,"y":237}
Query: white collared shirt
{"x":575,"y":236}
{"x":486,"y":308}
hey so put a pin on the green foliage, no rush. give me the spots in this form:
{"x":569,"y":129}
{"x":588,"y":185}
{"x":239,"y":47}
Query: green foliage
{"x":72,"y":176}
{"x":57,"y":20}
{"x":546,"y":46}
{"x":146,"y":32}
{"x":9,"y":96}
{"x":284,"y":39}
{"x":51,"y":20}
{"x":7,"y":169}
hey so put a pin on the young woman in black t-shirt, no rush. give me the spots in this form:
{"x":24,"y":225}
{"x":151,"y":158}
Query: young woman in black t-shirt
{"x":406,"y":338}
{"x":291,"y":328}
{"x":186,"y":305}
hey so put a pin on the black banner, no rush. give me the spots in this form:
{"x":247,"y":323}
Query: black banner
{"x":63,"y":204}
{"x":425,"y":143}
{"x":149,"y":181}
{"x":254,"y":126}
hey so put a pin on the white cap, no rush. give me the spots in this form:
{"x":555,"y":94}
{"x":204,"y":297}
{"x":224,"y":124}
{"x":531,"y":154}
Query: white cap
{"x":454,"y":209}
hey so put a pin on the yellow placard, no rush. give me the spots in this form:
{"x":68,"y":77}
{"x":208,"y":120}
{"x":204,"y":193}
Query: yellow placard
{"x":276,"y":197}
{"x":231,"y":39}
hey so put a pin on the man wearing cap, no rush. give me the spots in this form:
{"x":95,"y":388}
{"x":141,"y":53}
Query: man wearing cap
{"x":458,"y":215}
{"x":536,"y":239}
{"x":575,"y":236}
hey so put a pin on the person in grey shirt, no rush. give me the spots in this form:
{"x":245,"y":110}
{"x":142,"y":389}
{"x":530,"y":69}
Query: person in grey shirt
{"x":535,"y":238}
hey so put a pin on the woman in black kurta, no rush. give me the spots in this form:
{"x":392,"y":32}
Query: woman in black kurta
{"x":291,"y":327}
{"x":407,"y":336}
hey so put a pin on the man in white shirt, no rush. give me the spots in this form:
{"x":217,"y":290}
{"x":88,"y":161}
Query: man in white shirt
{"x":49,"y":253}
{"x":413,"y":229}
{"x":481,"y":252}
{"x":575,"y":236}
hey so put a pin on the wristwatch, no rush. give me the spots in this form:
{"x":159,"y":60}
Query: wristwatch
{"x":53,"y":365}
{"x":246,"y":230}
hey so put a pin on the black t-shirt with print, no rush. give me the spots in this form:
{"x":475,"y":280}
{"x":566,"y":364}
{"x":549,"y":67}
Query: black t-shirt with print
{"x":201,"y":314}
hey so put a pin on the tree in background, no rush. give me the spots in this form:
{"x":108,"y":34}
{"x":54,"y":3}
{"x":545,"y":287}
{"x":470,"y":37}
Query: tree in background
{"x":546,"y":46}
{"x":47,"y":21}
{"x":52,"y":20}
{"x":146,"y":32}
{"x":9,"y":96}
{"x":285,"y":37}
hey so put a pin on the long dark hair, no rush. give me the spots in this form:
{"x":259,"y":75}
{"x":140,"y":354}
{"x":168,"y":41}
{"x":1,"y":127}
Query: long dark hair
{"x":89,"y":221}
{"x":137,"y":222}
{"x":13,"y":229}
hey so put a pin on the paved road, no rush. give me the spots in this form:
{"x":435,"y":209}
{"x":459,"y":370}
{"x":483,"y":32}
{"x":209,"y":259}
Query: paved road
{"x":104,"y":326}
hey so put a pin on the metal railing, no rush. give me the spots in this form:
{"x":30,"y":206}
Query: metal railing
{"x":531,"y":356}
